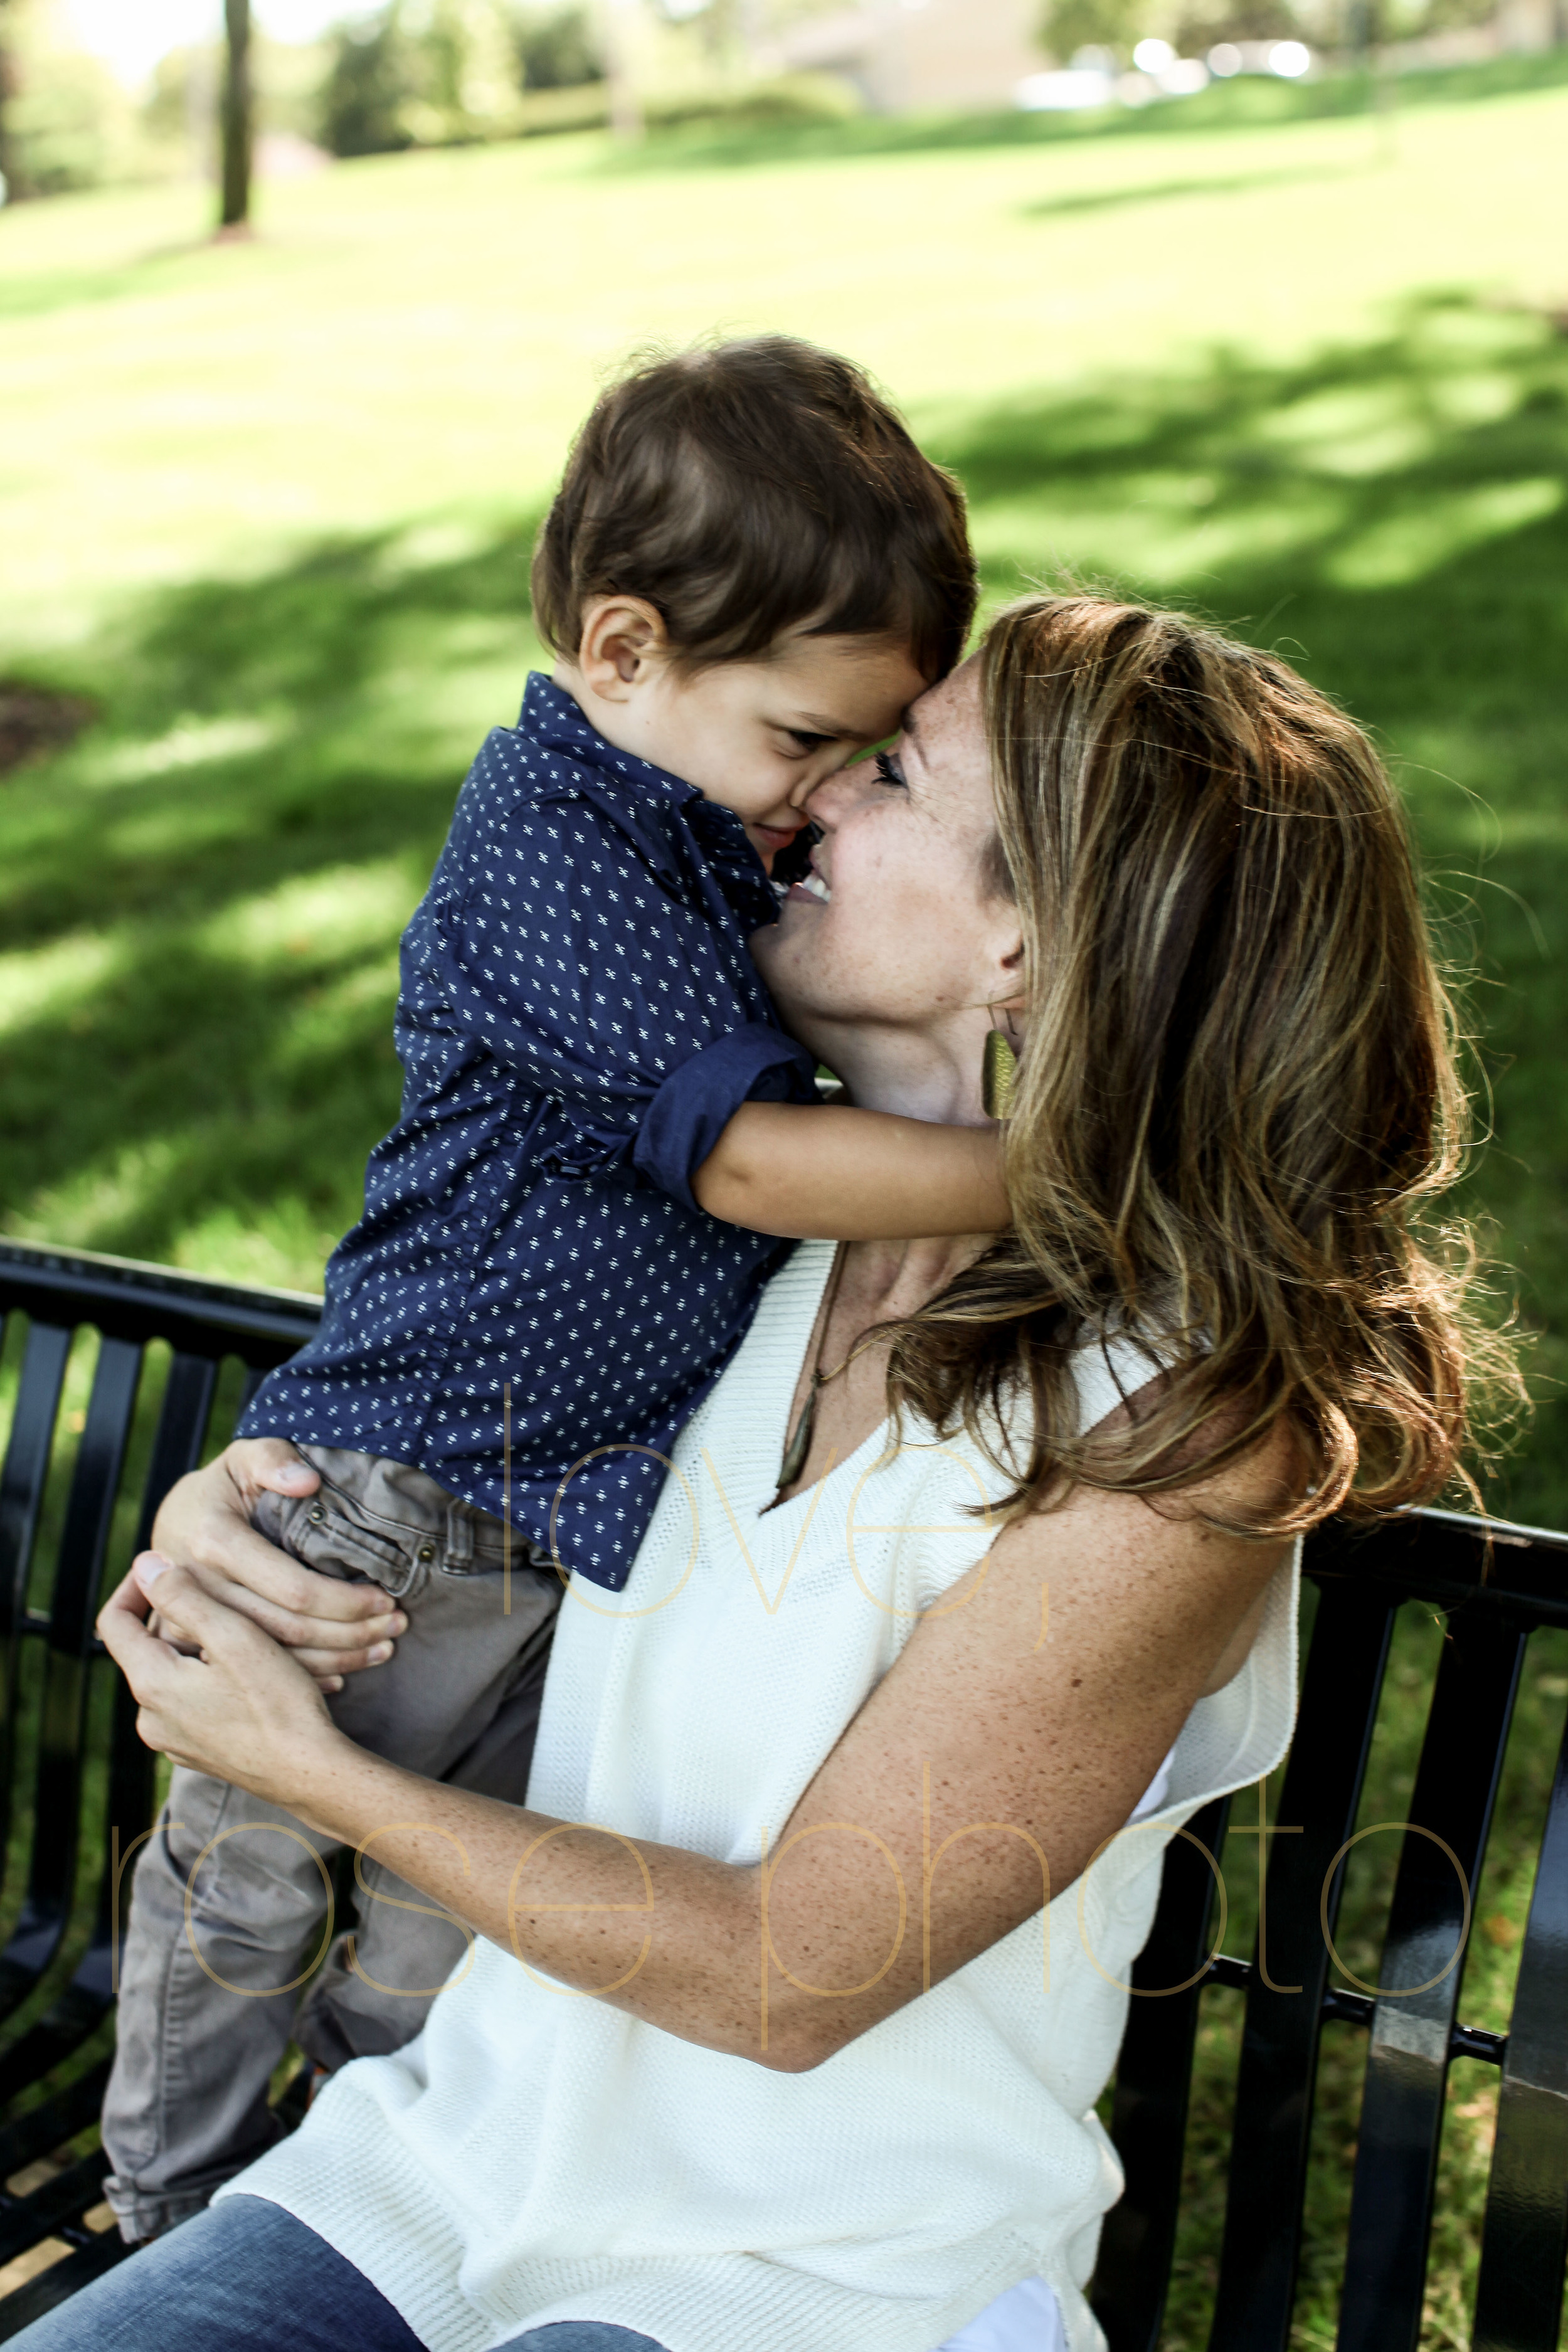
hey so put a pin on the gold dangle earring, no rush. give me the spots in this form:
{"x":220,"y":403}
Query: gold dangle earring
{"x":999,"y":1074}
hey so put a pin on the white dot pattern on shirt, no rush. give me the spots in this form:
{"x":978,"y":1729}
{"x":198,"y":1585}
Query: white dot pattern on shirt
{"x":583,"y":935}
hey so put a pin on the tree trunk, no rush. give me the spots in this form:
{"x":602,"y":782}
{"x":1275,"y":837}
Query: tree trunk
{"x":237,"y":117}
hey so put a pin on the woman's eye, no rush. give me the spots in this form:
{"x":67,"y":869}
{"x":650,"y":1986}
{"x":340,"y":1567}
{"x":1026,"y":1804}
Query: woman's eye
{"x":804,"y":742}
{"x":891,"y":773}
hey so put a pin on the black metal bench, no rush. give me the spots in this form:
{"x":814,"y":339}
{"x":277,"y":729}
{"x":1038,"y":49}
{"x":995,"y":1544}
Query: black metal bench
{"x":78,"y":1787}
{"x":78,"y":1783}
{"x":1494,"y":1596}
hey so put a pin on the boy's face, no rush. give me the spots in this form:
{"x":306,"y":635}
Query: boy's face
{"x":758,"y":737}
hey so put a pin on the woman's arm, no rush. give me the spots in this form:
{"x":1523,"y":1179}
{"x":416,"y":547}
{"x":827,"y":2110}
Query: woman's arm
{"x":1025,"y":1751}
{"x":831,"y":1172}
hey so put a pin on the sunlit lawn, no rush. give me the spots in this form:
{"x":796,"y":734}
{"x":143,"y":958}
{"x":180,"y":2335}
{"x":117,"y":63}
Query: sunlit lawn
{"x":271,"y":507}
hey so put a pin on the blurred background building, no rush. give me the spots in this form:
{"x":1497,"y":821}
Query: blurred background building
{"x":895,"y":57}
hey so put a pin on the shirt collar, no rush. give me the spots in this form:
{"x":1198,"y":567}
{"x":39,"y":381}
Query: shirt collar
{"x":628,"y":789}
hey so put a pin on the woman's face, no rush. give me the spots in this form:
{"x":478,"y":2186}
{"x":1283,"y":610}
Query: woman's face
{"x":895,"y":940}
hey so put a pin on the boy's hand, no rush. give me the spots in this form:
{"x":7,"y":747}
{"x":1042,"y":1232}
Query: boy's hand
{"x":333,"y":1629}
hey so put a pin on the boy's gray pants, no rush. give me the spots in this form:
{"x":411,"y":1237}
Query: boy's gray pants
{"x":209,"y":2003}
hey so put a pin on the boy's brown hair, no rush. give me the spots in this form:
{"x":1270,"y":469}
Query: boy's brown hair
{"x":752,"y":488}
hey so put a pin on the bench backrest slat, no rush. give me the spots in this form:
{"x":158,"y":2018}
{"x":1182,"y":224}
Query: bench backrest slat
{"x":1275,"y":2080}
{"x":84,"y":1540}
{"x":22,"y":1484}
{"x":27,"y":1454}
{"x":1419,"y":1981}
{"x":183,"y":1418}
{"x":1524,"y":2241}
{"x":1154,"y":2086}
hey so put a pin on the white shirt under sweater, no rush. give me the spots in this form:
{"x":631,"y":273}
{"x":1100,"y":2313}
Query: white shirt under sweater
{"x":538,"y":2155}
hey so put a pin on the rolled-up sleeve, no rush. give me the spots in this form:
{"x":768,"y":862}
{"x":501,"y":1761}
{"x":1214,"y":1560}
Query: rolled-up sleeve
{"x":696,"y":1103}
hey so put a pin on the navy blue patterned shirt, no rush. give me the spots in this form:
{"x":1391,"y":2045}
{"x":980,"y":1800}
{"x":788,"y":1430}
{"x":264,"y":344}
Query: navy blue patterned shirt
{"x":578,"y":1020}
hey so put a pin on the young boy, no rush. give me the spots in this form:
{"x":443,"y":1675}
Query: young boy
{"x":748,"y":572}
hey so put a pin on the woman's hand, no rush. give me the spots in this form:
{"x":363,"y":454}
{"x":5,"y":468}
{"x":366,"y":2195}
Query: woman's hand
{"x":216,"y":1693}
{"x":333,"y":1628}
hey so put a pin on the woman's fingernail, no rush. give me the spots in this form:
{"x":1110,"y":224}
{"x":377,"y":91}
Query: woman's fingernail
{"x":334,"y":1683}
{"x":380,"y":1655}
{"x":148,"y":1566}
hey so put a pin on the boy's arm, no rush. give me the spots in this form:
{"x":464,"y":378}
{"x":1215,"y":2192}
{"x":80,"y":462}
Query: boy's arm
{"x":830,"y":1172}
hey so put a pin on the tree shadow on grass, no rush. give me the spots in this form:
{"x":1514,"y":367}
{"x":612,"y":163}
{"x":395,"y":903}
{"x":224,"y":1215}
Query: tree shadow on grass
{"x":203,"y":900}
{"x":201,"y":897}
{"x":60,"y":290}
{"x":1396,"y":503}
{"x":1391,"y":515}
{"x":28,"y":293}
{"x":1099,"y":199}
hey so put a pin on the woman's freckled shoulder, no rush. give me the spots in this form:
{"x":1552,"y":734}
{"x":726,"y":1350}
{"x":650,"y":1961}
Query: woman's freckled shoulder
{"x":1271,"y":1476}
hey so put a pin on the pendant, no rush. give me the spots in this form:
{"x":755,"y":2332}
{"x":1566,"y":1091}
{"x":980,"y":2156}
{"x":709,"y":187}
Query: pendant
{"x":799,"y":1446}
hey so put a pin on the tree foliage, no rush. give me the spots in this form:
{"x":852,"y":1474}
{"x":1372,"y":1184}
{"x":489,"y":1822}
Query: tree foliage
{"x":556,"y":48}
{"x":437,"y":72}
{"x":65,"y":122}
{"x":365,"y":86}
{"x":1195,"y":26}
{"x":1070,"y":25}
{"x":7,"y":168}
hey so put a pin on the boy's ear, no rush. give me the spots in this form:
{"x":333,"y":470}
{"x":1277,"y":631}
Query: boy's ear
{"x":624,"y":640}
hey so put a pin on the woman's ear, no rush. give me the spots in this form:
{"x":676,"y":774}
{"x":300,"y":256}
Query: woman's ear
{"x":623,"y":641}
{"x":1010,"y":995}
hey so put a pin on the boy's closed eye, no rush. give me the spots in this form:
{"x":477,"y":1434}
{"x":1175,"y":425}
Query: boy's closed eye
{"x":889,"y":766}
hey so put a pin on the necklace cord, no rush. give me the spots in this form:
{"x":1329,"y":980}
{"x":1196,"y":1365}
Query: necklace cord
{"x":799,"y":1443}
{"x":820,"y":1379}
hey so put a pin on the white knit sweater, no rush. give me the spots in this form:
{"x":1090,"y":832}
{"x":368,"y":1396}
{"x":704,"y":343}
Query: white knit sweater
{"x":539,"y":2156}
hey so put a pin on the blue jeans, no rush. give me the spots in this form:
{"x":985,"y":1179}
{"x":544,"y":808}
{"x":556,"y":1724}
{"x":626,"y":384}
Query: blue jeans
{"x":246,"y":2276}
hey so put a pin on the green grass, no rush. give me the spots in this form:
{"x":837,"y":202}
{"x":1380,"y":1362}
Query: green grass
{"x":270,"y":508}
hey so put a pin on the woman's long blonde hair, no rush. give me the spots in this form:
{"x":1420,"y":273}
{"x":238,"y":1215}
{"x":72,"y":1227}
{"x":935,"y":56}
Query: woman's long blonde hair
{"x":1238,"y":1094}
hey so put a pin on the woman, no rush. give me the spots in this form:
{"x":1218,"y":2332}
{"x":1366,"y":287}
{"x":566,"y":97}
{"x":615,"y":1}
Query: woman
{"x":849,"y":1744}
